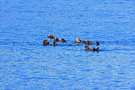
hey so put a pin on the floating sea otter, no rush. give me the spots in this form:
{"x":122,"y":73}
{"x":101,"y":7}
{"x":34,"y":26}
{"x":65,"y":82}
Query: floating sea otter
{"x":50,"y":36}
{"x":93,"y":48}
{"x":45,"y":42}
{"x":97,"y":43}
{"x":56,"y":39}
{"x":88,"y":42}
{"x":54,"y":43}
{"x":77,"y":40}
{"x":63,"y":40}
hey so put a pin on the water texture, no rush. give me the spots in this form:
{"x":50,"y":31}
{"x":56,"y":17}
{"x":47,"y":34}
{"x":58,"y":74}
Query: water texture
{"x":25,"y":64}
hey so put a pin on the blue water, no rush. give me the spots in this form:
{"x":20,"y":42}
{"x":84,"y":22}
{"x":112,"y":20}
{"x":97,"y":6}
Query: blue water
{"x":25,"y":64}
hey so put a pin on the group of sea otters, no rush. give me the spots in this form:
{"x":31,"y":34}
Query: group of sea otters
{"x":56,"y":39}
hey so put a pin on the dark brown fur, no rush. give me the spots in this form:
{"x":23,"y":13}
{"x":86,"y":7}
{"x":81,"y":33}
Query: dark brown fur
{"x":97,"y":43}
{"x":50,"y":36}
{"x":93,"y":49}
{"x":54,"y":43}
{"x":45,"y":42}
{"x":56,"y":39}
{"x":88,"y":42}
{"x":63,"y":40}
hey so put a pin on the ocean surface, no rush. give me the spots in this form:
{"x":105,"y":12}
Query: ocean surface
{"x":25,"y":64}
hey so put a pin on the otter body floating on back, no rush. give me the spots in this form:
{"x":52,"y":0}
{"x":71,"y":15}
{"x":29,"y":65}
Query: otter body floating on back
{"x":88,"y":42}
{"x":79,"y":41}
{"x":93,"y":48}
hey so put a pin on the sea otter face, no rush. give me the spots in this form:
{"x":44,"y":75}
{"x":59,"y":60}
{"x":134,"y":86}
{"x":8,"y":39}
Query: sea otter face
{"x":45,"y":42}
{"x":56,"y":39}
{"x":86,"y":47}
{"x":77,"y":40}
{"x":50,"y":36}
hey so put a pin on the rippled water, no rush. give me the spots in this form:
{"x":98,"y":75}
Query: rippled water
{"x":25,"y":64}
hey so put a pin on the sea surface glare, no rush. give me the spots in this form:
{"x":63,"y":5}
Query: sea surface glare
{"x":26,"y":64}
